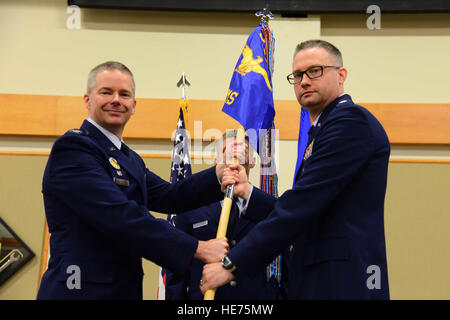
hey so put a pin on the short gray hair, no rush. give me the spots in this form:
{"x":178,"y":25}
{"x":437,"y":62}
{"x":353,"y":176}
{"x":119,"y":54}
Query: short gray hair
{"x":109,"y":65}
{"x":231,"y":134}
{"x":331,"y":49}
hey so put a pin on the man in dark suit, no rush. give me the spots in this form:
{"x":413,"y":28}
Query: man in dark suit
{"x":202,"y":223}
{"x":333,"y":217}
{"x":97,"y":197}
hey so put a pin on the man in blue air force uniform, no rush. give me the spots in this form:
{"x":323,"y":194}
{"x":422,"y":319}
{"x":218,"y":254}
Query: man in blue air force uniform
{"x":97,"y":197}
{"x":333,"y":217}
{"x":202,"y":223}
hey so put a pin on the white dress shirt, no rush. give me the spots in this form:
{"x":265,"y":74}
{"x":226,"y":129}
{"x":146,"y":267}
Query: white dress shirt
{"x":111,"y":136}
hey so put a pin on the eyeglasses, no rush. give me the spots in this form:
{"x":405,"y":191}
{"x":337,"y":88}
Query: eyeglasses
{"x":311,"y":73}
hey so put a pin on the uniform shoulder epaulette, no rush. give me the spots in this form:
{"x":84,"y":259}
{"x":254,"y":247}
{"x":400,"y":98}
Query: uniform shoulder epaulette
{"x":78,"y":131}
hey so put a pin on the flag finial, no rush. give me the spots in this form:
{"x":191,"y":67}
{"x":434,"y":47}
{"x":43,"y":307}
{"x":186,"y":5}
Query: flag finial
{"x":264,"y":15}
{"x":183,"y":83}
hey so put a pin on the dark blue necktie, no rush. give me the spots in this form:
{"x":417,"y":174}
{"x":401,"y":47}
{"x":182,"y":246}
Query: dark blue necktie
{"x":124,"y":148}
{"x":234,"y":216}
{"x":311,"y":135}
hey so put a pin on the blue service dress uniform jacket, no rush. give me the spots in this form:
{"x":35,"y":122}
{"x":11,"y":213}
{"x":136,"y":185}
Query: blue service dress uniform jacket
{"x":97,"y":201}
{"x":333,"y":218}
{"x":202,"y":223}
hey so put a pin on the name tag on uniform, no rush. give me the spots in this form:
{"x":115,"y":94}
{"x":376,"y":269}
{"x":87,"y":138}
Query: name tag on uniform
{"x":122,"y":182}
{"x":200,"y":224}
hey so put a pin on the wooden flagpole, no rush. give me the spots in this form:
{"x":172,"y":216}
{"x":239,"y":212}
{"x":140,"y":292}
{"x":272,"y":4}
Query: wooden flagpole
{"x":226,"y":208}
{"x":264,"y":16}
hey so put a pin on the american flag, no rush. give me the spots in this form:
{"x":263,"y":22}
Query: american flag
{"x":180,"y":169}
{"x":181,"y":162}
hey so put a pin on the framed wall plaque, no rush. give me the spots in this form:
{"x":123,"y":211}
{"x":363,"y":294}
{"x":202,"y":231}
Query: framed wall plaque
{"x":14,"y":253}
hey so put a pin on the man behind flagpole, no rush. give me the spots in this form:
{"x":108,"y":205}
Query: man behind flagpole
{"x":202,"y":223}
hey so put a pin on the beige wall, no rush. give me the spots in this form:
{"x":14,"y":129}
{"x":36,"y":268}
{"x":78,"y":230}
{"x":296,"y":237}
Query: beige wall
{"x":402,"y":62}
{"x":21,"y":207}
{"x":417,"y":219}
{"x":405,"y":61}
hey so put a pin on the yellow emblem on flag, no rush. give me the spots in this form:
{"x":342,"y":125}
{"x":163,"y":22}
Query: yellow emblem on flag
{"x":114,"y":163}
{"x":248,"y":64}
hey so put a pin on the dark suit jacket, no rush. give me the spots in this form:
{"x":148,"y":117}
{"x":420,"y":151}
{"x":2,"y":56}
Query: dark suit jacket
{"x":99,"y":219}
{"x":334,"y":216}
{"x":202,"y":223}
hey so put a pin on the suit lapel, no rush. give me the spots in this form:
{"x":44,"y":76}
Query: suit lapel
{"x":322,"y":119}
{"x":128,"y":163}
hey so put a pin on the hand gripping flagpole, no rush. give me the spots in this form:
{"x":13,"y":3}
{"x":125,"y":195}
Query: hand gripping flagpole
{"x":264,"y":15}
{"x":226,"y":208}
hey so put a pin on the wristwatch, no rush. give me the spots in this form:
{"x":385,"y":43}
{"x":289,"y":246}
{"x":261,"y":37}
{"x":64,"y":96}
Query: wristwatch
{"x":229,"y":266}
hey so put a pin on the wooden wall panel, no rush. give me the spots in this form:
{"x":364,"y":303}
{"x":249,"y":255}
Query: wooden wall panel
{"x":414,"y":123}
{"x":43,"y":115}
